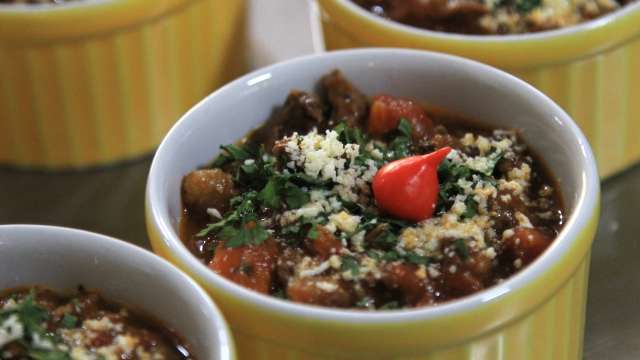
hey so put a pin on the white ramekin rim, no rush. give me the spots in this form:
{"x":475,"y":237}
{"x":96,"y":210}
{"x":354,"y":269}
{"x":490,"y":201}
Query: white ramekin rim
{"x":143,"y":256}
{"x":543,"y":35}
{"x":585,"y":208}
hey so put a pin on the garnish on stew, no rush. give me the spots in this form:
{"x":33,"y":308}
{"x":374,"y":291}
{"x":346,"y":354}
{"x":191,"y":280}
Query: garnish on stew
{"x":40,"y":324}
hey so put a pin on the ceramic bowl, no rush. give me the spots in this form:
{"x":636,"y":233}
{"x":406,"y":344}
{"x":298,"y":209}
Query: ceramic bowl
{"x":592,"y":70}
{"x":538,"y":313}
{"x":96,"y":82}
{"x":63,"y":258}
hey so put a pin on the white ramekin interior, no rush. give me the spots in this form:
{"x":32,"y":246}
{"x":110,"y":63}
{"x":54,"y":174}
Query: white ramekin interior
{"x":62,"y":259}
{"x":468,"y":87}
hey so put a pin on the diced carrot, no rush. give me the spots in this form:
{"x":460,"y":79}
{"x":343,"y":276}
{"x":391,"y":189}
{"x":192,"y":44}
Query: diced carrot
{"x":251,"y":266}
{"x":325,"y":244}
{"x":386,"y":112}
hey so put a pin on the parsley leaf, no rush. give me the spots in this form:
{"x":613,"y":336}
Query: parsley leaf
{"x":471,"y":208}
{"x":236,"y":152}
{"x":313,"y":232}
{"x":41,"y":354}
{"x":214,"y":226}
{"x":525,"y":6}
{"x":249,"y":168}
{"x":386,"y":239}
{"x":247,"y":234}
{"x":391,"y":305}
{"x":350,"y":135}
{"x":69,"y":321}
{"x":404,"y":126}
{"x":349,"y":263}
{"x":416,"y":259}
{"x":270,"y":194}
{"x":280,"y":294}
{"x":243,"y":204}
{"x":365,"y":303}
{"x":295,"y":196}
{"x":400,"y":147}
{"x":461,"y":248}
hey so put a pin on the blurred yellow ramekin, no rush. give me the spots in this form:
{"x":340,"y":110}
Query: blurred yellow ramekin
{"x":96,"y":82}
{"x":538,"y":313}
{"x":592,"y":70}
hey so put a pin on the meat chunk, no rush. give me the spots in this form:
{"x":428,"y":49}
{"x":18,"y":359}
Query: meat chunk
{"x":464,"y":276}
{"x":300,"y":113}
{"x":347,"y":103}
{"x":285,"y":269}
{"x":504,"y":208}
{"x":526,"y":244}
{"x":404,"y":278}
{"x":207,"y":188}
{"x":319,"y":290}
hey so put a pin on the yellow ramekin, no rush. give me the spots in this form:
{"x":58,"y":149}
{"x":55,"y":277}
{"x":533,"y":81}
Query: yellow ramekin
{"x":537,"y":314}
{"x":95,"y":82}
{"x":592,"y":70}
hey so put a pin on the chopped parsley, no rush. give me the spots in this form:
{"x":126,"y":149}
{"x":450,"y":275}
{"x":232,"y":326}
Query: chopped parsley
{"x":69,"y":321}
{"x":251,"y":233}
{"x":461,"y":248}
{"x":350,"y":263}
{"x":33,"y":318}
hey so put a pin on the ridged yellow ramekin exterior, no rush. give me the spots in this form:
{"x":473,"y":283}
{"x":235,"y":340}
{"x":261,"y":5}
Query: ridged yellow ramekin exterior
{"x":542,"y":320}
{"x":92,"y":84}
{"x":593,"y":73}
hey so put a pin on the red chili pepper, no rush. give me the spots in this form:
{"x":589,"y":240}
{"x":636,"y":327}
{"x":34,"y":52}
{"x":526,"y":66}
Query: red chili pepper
{"x":408,"y":188}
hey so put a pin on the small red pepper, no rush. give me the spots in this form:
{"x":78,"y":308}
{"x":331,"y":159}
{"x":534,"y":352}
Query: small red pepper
{"x":408,"y":188}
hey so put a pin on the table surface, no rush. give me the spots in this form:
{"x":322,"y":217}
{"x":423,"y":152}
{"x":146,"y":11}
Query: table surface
{"x":111,"y":201}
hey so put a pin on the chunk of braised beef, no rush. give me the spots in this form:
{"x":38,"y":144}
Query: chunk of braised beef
{"x":464,"y":273}
{"x":526,"y":244}
{"x":347,"y":104}
{"x":405,"y":279}
{"x":441,"y":138}
{"x":300,"y":113}
{"x":207,"y":188}
{"x":285,"y":267}
{"x":503,"y":209}
{"x":322,"y":291}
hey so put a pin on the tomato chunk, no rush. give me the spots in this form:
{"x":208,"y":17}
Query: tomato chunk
{"x":386,"y":112}
{"x":251,"y":266}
